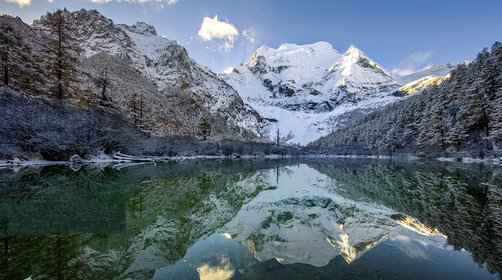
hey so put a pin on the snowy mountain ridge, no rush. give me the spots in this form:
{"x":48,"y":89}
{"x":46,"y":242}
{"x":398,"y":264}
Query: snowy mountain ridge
{"x":306,"y":89}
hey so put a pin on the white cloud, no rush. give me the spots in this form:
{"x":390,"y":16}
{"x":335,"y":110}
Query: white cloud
{"x":21,"y":3}
{"x":414,"y":62}
{"x":212,"y":28}
{"x":250,"y":35}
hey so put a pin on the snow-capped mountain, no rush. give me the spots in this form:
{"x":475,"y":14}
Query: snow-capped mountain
{"x":168,"y":66}
{"x":305,"y":88}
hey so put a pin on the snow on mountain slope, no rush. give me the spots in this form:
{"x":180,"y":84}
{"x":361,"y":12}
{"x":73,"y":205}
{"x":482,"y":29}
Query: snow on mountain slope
{"x":429,"y":76}
{"x":290,"y":62}
{"x":421,"y":84}
{"x":304,"y":89}
{"x":167,"y":64}
{"x":430,"y":71}
{"x":356,"y":74}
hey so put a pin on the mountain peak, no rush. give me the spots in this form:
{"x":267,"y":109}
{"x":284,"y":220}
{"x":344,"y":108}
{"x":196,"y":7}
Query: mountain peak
{"x":355,"y":57}
{"x":354,"y":54}
{"x":142,"y":28}
{"x":82,"y":17}
{"x":317,"y":45}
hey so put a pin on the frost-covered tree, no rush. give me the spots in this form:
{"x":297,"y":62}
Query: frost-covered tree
{"x":5,"y":67}
{"x":64,"y":51}
{"x":7,"y":44}
{"x":103,"y":83}
{"x":204,"y":128}
{"x":136,"y":106}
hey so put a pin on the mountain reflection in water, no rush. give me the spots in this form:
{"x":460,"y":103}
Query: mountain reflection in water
{"x":270,"y":219}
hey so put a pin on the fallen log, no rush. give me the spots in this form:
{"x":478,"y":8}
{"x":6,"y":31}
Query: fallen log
{"x":124,"y":157}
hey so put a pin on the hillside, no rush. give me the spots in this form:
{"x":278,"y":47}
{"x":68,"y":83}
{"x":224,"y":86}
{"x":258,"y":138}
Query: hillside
{"x":151,"y":80}
{"x":460,"y":116}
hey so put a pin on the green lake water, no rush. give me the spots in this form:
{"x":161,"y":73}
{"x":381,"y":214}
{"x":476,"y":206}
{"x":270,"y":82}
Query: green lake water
{"x":253,"y":219}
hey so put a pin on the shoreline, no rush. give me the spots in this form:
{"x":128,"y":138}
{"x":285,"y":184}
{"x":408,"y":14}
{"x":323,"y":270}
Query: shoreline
{"x":4,"y":164}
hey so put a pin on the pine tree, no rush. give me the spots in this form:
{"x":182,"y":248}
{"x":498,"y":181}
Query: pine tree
{"x":5,"y":67}
{"x":495,"y":100}
{"x":103,"y":84}
{"x":7,"y":45}
{"x":133,"y":107}
{"x":204,"y":128}
{"x":136,"y":106}
{"x":64,"y":51}
{"x":141,"y":111}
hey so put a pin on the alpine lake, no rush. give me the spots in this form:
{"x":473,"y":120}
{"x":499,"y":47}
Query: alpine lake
{"x":253,"y":219}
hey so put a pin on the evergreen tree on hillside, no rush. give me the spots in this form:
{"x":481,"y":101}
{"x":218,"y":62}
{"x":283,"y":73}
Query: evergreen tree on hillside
{"x":7,"y":42}
{"x":4,"y":56}
{"x":136,"y":106}
{"x":133,"y":106}
{"x":204,"y":128}
{"x":64,"y":51}
{"x":103,"y":83}
{"x":19,"y":67}
{"x":495,"y":97}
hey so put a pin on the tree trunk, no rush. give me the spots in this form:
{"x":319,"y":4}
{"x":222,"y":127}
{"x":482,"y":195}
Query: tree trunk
{"x":6,"y":69}
{"x":60,"y":57}
{"x":105,"y":84}
{"x":278,"y":139}
{"x":141,"y":107}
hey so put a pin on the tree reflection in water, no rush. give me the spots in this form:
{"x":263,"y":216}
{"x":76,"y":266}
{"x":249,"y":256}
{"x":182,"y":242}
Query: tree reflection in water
{"x":150,"y":222}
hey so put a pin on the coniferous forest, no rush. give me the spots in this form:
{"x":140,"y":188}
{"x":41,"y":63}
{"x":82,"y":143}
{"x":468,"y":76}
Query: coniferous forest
{"x":461,"y":116}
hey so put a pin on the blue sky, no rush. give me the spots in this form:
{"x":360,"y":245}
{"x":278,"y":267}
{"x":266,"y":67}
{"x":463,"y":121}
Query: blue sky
{"x":404,"y":34}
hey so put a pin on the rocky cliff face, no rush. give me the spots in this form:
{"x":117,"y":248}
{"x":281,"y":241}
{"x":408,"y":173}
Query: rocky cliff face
{"x":307,"y":88}
{"x":150,"y":79}
{"x":462,"y":115}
